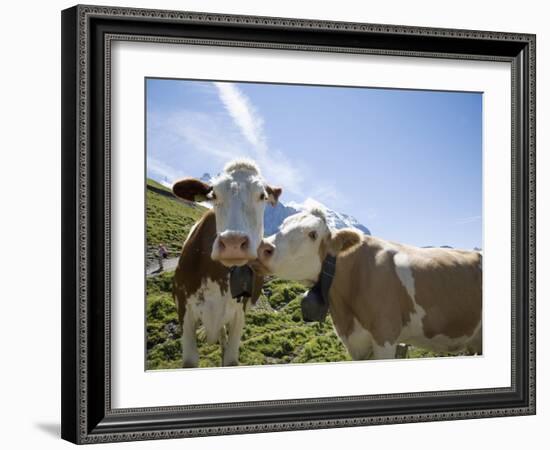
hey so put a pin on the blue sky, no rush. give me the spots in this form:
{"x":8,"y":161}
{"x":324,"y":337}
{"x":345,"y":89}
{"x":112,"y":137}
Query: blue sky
{"x":407,"y":164}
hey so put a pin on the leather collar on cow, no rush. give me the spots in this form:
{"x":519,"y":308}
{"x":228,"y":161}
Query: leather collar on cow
{"x":241,"y":282}
{"x":315,"y":302}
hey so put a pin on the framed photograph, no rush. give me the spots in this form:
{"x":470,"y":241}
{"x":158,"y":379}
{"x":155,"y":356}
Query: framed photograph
{"x":281,"y":224}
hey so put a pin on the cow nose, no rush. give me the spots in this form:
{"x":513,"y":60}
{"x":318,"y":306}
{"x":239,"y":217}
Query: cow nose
{"x":266,"y":250}
{"x":233,"y":248}
{"x":234,"y":242}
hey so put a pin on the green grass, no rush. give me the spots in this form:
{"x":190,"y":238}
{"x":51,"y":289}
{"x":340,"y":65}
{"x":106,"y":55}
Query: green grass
{"x":274,"y":332}
{"x":168,"y":219}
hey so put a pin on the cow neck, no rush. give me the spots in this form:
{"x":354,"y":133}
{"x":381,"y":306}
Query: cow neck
{"x":327,"y":276}
{"x":315,"y":303}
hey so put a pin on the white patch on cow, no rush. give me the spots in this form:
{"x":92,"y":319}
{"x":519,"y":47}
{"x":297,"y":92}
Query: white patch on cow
{"x":388,"y":250}
{"x":404,"y":272}
{"x":361,"y":345}
{"x":189,"y":348}
{"x":222,"y":318}
{"x":358,"y":342}
{"x":386,"y":351}
{"x":231,"y":347}
{"x":414,"y":327}
{"x":213,"y":309}
{"x":413,"y":332}
{"x":440,"y":343}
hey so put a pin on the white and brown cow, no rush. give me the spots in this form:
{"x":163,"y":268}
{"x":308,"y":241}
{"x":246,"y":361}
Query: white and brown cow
{"x":226,"y":236}
{"x":383,"y":293}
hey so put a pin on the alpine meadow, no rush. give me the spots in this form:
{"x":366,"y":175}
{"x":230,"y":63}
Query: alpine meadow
{"x":291,"y":224}
{"x":274,"y":333}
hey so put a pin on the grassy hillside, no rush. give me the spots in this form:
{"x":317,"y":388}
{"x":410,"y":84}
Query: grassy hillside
{"x":274,"y":333}
{"x":168,"y":219}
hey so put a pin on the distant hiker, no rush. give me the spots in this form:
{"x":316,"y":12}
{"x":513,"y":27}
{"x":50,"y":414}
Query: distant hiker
{"x":162,"y":254}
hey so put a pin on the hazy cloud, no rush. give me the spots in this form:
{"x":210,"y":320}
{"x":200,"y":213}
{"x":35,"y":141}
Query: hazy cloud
{"x":243,"y":113}
{"x":167,"y":175}
{"x":186,"y":138}
{"x":465,"y":220}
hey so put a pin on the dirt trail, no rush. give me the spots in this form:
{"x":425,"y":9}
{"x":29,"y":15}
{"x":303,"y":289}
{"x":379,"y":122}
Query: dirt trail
{"x":169,"y":265}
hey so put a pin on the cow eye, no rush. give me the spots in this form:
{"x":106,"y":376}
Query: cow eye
{"x":211,"y":195}
{"x":263,"y":196}
{"x":312,"y":235}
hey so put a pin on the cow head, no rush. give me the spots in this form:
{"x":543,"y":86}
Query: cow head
{"x":238,"y":196}
{"x":298,"y":249}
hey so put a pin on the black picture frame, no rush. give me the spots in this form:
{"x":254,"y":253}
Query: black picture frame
{"x":87,"y":31}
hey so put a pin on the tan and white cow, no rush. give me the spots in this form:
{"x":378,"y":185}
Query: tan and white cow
{"x":383,"y":293}
{"x":225,"y":237}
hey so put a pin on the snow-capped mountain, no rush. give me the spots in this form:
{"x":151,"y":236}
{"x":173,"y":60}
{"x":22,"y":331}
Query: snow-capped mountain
{"x":274,"y":216}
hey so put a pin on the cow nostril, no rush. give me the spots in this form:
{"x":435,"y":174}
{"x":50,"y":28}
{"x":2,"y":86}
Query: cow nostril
{"x":233,"y":243}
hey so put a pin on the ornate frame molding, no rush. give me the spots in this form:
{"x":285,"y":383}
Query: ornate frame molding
{"x":84,"y":423}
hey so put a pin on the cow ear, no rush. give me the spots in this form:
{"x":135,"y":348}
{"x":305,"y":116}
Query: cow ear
{"x":273,"y":194}
{"x":342,"y":240}
{"x":191,"y":189}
